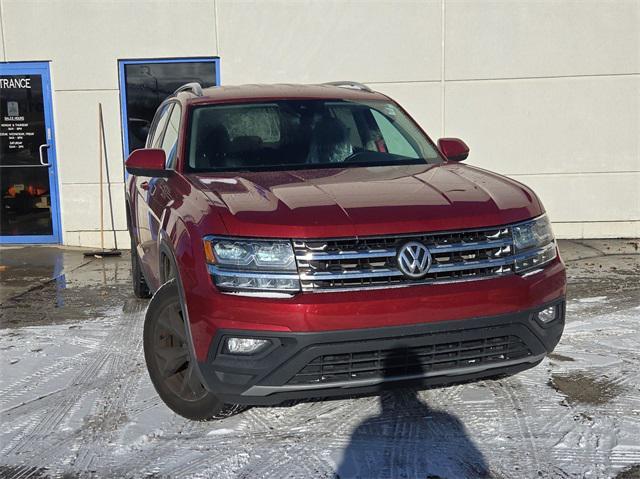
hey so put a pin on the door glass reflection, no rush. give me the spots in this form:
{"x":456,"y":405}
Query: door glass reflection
{"x":148,"y":84}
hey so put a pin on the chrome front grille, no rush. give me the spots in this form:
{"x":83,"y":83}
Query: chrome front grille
{"x":370,"y":262}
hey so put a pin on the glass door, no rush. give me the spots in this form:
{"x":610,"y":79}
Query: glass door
{"x":28,"y":183}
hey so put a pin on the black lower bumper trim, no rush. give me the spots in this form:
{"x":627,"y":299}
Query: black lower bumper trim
{"x":338,"y":363}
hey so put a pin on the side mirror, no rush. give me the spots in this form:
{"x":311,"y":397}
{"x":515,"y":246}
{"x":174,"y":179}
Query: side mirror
{"x":147,"y":162}
{"x":454,"y":149}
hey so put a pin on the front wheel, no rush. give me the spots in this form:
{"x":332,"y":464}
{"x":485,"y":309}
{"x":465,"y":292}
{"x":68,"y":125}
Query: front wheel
{"x":170,"y":362}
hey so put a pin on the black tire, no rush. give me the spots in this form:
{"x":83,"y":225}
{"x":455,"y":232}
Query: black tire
{"x":140,"y":287}
{"x":170,"y":362}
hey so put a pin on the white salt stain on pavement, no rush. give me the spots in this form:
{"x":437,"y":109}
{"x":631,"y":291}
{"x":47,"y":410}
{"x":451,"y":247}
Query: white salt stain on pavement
{"x":219,"y":432}
{"x":595,"y":299}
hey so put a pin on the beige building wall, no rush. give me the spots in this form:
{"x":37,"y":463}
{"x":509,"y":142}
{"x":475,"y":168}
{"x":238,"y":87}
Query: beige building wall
{"x":546,"y":91}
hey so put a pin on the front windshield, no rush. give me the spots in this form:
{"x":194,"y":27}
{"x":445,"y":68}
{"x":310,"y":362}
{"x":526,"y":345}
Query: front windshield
{"x":295,"y":134}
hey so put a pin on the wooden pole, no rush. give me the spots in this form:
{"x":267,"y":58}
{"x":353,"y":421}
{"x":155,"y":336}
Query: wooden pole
{"x":102,"y":159}
{"x":114,"y":250}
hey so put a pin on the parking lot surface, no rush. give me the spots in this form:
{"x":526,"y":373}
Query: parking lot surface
{"x":76,"y":401}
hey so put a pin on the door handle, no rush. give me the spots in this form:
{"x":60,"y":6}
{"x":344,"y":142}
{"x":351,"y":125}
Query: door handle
{"x":44,"y":146}
{"x":144,"y":185}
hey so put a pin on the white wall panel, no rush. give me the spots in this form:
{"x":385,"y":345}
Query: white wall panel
{"x":597,"y":229}
{"x":81,"y":208}
{"x":574,"y":139}
{"x":583,"y":197}
{"x":85,"y":39}
{"x":514,"y":39}
{"x":2,"y":54}
{"x":91,"y":239}
{"x":562,"y":125}
{"x":313,"y":41}
{"x":77,"y":135}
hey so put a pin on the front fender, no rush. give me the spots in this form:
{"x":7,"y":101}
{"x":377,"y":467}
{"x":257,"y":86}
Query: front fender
{"x":183,"y":246}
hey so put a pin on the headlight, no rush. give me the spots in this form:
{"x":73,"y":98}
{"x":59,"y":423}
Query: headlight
{"x":252,"y":265}
{"x":532,"y":234}
{"x":534,"y":244}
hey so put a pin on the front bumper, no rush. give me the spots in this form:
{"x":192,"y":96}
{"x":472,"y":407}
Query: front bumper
{"x":357,"y":361}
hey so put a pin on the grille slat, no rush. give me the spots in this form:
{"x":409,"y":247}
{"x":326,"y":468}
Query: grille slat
{"x":370,"y":262}
{"x":414,"y":360}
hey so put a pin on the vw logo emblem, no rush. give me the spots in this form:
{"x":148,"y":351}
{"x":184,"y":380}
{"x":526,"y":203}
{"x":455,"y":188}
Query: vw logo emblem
{"x":414,"y":259}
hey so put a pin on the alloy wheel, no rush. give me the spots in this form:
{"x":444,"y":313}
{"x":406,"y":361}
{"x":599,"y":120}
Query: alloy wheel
{"x":171,"y":353}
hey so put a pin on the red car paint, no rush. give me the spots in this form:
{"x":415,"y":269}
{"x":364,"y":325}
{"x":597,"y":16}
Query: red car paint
{"x":177,"y":211}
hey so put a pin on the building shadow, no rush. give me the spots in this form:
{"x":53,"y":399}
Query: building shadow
{"x":408,"y":438}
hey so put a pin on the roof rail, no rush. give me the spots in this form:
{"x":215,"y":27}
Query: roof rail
{"x":350,"y":84}
{"x":193,"y":87}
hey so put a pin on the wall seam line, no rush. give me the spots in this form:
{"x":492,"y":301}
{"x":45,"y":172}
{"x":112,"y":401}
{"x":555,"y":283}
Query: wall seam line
{"x":585,"y":222}
{"x":561,"y":173}
{"x":396,"y":82}
{"x":549,"y":77}
{"x":80,"y":90}
{"x":215,"y":24}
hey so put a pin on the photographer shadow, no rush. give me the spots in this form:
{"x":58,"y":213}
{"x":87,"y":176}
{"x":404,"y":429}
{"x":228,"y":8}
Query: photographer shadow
{"x":408,"y":438}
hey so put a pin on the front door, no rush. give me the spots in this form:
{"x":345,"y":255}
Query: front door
{"x":28,"y":184}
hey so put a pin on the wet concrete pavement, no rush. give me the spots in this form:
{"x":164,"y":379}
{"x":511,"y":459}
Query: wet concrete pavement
{"x":24,"y":268}
{"x":75,"y":398}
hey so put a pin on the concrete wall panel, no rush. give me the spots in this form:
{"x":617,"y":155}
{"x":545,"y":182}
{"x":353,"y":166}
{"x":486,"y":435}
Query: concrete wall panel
{"x":2,"y":53}
{"x":77,"y":135}
{"x":314,"y":41}
{"x":81,"y":209}
{"x":545,"y":91}
{"x":564,"y":125}
{"x":515,"y":39}
{"x":588,"y":197}
{"x":85,"y":39}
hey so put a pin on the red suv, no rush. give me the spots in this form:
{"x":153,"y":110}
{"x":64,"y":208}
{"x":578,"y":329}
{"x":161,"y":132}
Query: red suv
{"x":309,"y":241}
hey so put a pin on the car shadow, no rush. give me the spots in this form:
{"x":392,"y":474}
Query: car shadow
{"x":408,"y":438}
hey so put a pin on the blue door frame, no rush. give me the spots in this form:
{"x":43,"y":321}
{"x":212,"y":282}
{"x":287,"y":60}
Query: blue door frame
{"x":123,"y":91}
{"x":42,"y":69}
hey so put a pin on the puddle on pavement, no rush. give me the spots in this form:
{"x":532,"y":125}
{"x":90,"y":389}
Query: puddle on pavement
{"x":631,"y":472}
{"x":582,"y":388}
{"x":90,"y":291}
{"x":612,"y":279}
{"x":24,"y":471}
{"x":560,"y":357}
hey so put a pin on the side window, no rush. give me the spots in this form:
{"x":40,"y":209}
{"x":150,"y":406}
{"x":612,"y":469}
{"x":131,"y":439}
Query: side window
{"x":394,"y":140}
{"x":170,"y":140}
{"x":153,"y":141}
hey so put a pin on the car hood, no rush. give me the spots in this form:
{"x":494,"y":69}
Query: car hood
{"x":365,"y":201}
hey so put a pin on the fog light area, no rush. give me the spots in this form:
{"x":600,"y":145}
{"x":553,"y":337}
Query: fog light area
{"x":245,"y":345}
{"x":548,"y":314}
